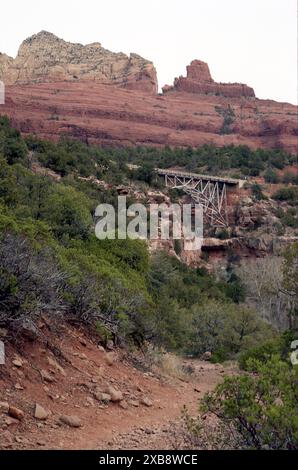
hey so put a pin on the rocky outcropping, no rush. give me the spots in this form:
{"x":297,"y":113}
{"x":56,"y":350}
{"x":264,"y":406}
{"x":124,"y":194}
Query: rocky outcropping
{"x":57,"y":88}
{"x":199,"y":80}
{"x":5,"y":64}
{"x":46,"y":58}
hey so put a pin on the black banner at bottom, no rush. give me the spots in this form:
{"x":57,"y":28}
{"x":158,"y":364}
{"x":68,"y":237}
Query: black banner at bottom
{"x":142,"y":459}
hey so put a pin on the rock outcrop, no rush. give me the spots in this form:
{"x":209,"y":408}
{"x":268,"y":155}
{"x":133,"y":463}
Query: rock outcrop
{"x":199,"y":80}
{"x":46,"y":58}
{"x":5,"y":64}
{"x":56,"y":88}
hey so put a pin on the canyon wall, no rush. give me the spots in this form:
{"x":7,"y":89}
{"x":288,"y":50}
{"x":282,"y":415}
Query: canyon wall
{"x":56,"y":88}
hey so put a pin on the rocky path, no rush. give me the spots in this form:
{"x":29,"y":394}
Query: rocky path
{"x":93,"y":400}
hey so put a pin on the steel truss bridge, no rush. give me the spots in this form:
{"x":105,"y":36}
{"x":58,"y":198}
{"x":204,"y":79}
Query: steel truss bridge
{"x":209,"y":191}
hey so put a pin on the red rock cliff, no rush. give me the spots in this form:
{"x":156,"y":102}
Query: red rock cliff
{"x":199,"y":80}
{"x":46,"y":58}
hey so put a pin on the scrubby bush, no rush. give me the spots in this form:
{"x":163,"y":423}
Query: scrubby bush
{"x":225,"y":329}
{"x":12,"y":146}
{"x":257,"y":192}
{"x":289,"y":194}
{"x":261,"y":408}
{"x":30,"y":282}
{"x":271,"y":176}
{"x":279,"y":345}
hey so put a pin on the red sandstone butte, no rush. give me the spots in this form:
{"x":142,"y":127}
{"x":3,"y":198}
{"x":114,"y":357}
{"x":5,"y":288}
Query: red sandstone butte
{"x":199,"y":80}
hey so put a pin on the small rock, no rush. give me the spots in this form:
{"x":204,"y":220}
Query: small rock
{"x":134,"y":403}
{"x":105,"y":397}
{"x":207,"y":356}
{"x":110,"y":345}
{"x":54,"y":363}
{"x":17,"y":363}
{"x":149,"y":431}
{"x":90,"y":401}
{"x":6,"y":436}
{"x":110,"y":359}
{"x":247,"y":201}
{"x":72,"y":421}
{"x":29,"y":330}
{"x":83,"y":342}
{"x":196,"y":389}
{"x":40,"y":443}
{"x":123,"y":404}
{"x":40,"y":412}
{"x":16,"y":413}
{"x":101,"y":349}
{"x":116,"y":395}
{"x":46,"y":376}
{"x":3,"y":332}
{"x":146,"y":402}
{"x":18,"y":387}
{"x":9,"y":421}
{"x":4,"y":406}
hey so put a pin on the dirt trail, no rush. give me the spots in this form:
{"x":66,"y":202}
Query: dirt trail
{"x":72,"y":388}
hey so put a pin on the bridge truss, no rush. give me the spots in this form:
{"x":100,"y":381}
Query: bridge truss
{"x":211,"y":193}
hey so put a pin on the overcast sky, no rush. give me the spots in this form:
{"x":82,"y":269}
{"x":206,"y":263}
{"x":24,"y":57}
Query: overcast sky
{"x":253,"y":42}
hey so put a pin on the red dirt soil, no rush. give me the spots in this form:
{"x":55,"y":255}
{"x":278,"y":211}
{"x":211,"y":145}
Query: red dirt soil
{"x":85,"y":370}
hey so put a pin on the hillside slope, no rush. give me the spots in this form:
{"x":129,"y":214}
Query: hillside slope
{"x":72,"y":385}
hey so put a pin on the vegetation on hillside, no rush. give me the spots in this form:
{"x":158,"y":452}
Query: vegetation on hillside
{"x":51,"y":263}
{"x":51,"y":260}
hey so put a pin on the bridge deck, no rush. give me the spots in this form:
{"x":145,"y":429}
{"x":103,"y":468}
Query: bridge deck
{"x":183,"y":174}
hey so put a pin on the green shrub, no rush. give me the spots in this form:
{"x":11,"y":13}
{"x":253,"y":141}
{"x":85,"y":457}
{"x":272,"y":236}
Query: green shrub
{"x":271,"y":176}
{"x":286,"y":194}
{"x":225,"y":329}
{"x":257,"y":192}
{"x":262,"y":408}
{"x":280,"y":345}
